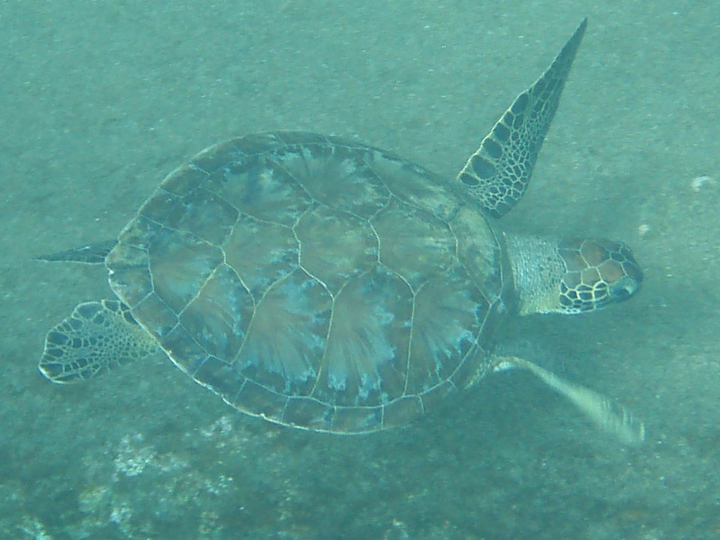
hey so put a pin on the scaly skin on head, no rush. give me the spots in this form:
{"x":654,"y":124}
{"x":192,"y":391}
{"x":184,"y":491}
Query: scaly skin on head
{"x":571,"y":275}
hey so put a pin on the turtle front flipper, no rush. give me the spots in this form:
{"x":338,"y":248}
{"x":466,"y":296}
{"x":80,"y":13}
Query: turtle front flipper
{"x":498,"y":174}
{"x":97,"y":336}
{"x":610,"y":416}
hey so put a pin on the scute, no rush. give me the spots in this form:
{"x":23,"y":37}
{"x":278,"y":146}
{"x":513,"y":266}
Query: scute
{"x":449,"y":317}
{"x":335,"y":246}
{"x":366,"y":357}
{"x":261,"y":253}
{"x":288,"y":335}
{"x":189,"y":214}
{"x":337,"y":175}
{"x":314,"y":281}
{"x":413,"y":242}
{"x":220,"y":315}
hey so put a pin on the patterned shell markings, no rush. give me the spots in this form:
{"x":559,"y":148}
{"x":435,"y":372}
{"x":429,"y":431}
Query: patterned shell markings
{"x":335,"y":287}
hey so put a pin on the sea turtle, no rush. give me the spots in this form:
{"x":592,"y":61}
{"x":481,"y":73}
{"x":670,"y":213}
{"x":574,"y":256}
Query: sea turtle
{"x":324,"y":284}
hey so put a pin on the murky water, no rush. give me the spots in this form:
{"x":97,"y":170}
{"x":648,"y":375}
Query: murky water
{"x":101,"y":100}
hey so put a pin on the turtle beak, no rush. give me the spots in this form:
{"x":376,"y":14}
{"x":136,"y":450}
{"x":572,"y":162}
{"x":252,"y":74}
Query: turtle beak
{"x":627,"y":286}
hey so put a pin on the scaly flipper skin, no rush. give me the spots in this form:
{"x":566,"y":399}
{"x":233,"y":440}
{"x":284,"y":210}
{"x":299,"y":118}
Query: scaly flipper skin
{"x":98,"y":336}
{"x":498,"y":174}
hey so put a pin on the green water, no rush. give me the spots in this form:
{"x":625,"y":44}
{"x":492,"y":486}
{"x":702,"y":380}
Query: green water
{"x":102,"y":99}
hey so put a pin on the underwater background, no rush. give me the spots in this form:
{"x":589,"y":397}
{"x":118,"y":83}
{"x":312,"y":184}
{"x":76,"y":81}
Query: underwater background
{"x":101,"y":99}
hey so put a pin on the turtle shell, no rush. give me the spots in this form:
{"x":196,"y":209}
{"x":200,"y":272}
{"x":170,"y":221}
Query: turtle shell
{"x":315,"y":282}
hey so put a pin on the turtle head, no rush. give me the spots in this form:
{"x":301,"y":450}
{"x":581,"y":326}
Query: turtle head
{"x":571,"y":275}
{"x":598,"y":272}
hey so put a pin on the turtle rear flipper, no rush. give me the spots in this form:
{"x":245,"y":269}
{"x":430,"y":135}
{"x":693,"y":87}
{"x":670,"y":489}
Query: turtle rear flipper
{"x":97,"y":336}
